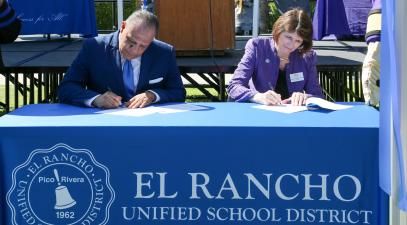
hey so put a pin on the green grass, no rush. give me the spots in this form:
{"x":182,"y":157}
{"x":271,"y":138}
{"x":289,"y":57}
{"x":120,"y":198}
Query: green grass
{"x":12,"y":98}
{"x":194,"y":95}
{"x":3,"y":98}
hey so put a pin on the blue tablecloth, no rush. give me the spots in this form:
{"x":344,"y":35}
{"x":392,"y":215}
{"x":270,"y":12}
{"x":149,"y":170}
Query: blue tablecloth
{"x":57,"y":16}
{"x":340,"y":18}
{"x":225,"y":163}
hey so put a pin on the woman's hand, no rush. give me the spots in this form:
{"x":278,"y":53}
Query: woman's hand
{"x":267,"y":98}
{"x":297,"y":98}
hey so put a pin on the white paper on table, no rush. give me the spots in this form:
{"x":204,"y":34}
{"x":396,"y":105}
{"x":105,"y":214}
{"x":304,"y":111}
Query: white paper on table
{"x":324,"y":104}
{"x":181,"y":107}
{"x":284,"y":108}
{"x":310,"y":104}
{"x":164,"y":109}
{"x":129,"y":112}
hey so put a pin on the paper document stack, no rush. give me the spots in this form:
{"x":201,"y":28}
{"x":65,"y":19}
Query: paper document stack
{"x":311,"y":103}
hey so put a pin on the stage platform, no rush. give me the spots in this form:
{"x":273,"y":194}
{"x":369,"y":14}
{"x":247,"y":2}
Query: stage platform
{"x":35,"y":65}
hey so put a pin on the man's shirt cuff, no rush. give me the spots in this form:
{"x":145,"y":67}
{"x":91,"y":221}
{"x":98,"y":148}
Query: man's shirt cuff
{"x":157,"y":97}
{"x":89,"y":101}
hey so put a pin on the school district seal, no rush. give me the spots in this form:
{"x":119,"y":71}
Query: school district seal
{"x":60,"y":185}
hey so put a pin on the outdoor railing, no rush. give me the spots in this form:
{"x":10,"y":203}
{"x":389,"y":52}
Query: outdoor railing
{"x":341,"y":84}
{"x":30,"y":85}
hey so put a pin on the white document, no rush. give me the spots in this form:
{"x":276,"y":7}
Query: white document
{"x":129,"y":112}
{"x":164,"y":109}
{"x":284,"y":108}
{"x":310,"y":104}
{"x":324,"y":104}
{"x":181,"y":107}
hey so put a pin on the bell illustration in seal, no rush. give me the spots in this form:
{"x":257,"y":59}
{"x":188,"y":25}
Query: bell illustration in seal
{"x":64,"y":200}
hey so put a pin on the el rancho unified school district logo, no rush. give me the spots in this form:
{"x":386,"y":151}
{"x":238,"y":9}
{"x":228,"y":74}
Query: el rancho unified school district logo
{"x":60,"y":185}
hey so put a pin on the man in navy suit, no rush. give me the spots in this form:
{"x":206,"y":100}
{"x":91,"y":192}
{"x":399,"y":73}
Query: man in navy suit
{"x":97,"y":77}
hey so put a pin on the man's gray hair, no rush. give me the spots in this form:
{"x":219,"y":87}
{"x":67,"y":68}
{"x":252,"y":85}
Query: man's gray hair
{"x":148,"y":19}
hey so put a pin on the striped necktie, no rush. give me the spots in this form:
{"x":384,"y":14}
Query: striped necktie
{"x":128,"y":78}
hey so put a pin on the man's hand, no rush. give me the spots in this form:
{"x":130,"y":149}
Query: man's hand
{"x":108,"y":100}
{"x":141,"y":100}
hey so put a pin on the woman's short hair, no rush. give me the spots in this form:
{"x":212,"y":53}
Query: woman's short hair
{"x":295,"y":20}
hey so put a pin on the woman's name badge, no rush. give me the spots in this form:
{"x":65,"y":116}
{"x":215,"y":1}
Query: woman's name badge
{"x":295,"y":77}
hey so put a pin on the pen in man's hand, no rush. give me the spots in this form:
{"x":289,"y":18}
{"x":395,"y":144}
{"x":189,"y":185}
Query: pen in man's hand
{"x":122,"y":104}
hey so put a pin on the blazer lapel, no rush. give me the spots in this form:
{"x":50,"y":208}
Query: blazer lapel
{"x":118,"y":65}
{"x":145,"y":64}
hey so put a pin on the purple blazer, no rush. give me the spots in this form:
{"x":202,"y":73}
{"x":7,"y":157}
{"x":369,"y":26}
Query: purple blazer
{"x":259,"y":67}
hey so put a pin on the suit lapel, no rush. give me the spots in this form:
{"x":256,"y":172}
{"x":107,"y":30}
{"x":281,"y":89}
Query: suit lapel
{"x":115,"y":50}
{"x":118,"y":64}
{"x":145,"y":64}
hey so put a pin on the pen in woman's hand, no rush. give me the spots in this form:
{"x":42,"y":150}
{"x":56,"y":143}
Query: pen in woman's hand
{"x":305,"y":97}
{"x":271,"y":87}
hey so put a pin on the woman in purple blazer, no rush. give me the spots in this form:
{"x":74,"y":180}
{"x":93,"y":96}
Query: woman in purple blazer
{"x":281,"y":69}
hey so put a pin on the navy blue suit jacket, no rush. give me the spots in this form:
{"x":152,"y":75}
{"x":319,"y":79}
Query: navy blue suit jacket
{"x":97,"y":69}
